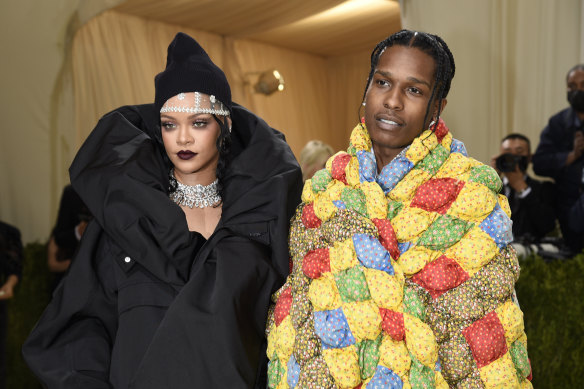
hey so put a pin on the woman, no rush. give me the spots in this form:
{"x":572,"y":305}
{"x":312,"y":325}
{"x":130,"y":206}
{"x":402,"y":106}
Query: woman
{"x":191,"y":198}
{"x":313,"y":157}
{"x":401,"y":272}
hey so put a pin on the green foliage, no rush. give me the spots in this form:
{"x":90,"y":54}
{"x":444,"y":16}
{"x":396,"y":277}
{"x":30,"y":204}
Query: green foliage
{"x":550,"y":296}
{"x":31,"y":295}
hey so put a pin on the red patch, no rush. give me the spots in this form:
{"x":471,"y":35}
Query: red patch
{"x":338,"y":167}
{"x":316,"y":262}
{"x":309,"y":218}
{"x":392,"y":323}
{"x":437,"y":195}
{"x":291,"y":264}
{"x":486,"y":338}
{"x":283,"y":305}
{"x":440,"y":275}
{"x":441,"y":130}
{"x":530,"y":376}
{"x":387,"y":237}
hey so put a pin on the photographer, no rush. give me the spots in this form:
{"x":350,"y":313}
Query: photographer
{"x":530,"y":200}
{"x":560,"y":155}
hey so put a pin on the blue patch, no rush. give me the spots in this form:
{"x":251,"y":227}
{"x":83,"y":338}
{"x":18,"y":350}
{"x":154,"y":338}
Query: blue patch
{"x":367,"y":166}
{"x":293,"y":369}
{"x":403,"y":247}
{"x":393,"y":172}
{"x":371,"y":253}
{"x":340,"y":204}
{"x":498,"y":226}
{"x":333,"y":329}
{"x":458,"y":147}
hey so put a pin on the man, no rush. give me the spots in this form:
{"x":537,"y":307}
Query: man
{"x":531,"y":201}
{"x":560,"y":155}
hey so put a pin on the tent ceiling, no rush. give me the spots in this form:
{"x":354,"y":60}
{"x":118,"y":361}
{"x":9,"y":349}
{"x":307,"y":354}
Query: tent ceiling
{"x":323,"y":27}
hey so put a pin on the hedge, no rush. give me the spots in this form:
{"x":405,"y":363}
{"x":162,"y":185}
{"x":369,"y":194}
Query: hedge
{"x":550,"y":295}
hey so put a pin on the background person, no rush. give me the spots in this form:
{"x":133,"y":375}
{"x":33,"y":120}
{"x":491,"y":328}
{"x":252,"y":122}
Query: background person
{"x":559,"y":155}
{"x":531,"y":201}
{"x":313,"y":157}
{"x":10,"y":273}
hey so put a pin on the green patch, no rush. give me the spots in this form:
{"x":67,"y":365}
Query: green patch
{"x":444,"y":232}
{"x":393,"y":208}
{"x":432,"y":162}
{"x":487,"y":176}
{"x":355,"y":199}
{"x":275,"y":372}
{"x":413,"y":304}
{"x":352,"y":285}
{"x":320,"y":180}
{"x":352,"y":150}
{"x":520,"y":359}
{"x":421,"y":376}
{"x":368,"y":351}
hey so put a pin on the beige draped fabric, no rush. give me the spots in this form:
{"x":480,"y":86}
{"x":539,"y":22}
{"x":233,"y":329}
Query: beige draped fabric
{"x":511,"y":57}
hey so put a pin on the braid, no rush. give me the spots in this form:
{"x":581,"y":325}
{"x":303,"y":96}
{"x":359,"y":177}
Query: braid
{"x":432,"y":45}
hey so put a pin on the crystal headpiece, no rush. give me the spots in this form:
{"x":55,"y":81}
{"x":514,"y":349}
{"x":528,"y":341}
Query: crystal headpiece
{"x":203,"y":104}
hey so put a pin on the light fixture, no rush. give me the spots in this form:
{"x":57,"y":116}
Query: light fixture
{"x":269,"y":82}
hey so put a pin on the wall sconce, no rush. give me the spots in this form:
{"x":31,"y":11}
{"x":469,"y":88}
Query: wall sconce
{"x":269,"y":82}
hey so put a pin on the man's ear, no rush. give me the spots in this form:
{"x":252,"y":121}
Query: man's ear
{"x":436,"y":113}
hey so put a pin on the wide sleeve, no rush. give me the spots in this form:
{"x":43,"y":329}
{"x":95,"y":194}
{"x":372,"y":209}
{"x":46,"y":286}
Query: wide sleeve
{"x":213,"y":334}
{"x":67,"y":218}
{"x":550,"y":157}
{"x":70,"y":346}
{"x":539,"y":209}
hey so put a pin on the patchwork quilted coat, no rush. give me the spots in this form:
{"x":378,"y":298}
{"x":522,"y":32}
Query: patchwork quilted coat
{"x":400,"y":279}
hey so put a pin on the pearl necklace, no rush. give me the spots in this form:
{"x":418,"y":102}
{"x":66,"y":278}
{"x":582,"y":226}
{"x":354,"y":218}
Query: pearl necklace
{"x":200,"y":196}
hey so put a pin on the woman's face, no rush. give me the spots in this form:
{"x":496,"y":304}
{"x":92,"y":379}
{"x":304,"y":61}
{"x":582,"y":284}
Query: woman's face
{"x":396,"y":100}
{"x":190,"y":140}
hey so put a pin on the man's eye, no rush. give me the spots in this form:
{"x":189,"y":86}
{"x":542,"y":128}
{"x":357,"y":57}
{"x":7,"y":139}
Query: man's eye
{"x":382,"y":82}
{"x":415,"y":91}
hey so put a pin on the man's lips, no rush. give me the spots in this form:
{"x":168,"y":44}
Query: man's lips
{"x":185,"y":154}
{"x":386,"y":121}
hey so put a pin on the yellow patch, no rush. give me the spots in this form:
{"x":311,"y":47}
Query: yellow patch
{"x":385,"y":289}
{"x":420,"y":340}
{"x":307,"y":193}
{"x":504,"y":204}
{"x":324,"y":208}
{"x":342,"y":255}
{"x":511,"y":318}
{"x":414,"y":260}
{"x":474,"y":202}
{"x":500,"y":374}
{"x":343,"y":364}
{"x":376,"y":201}
{"x":352,"y":173}
{"x":406,"y":188}
{"x":394,"y":355}
{"x":323,"y":293}
{"x":473,"y":251}
{"x":410,"y":223}
{"x":454,"y":167}
{"x":285,"y":335}
{"x":363,"y":318}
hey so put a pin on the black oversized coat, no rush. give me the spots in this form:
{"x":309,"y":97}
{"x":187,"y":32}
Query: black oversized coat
{"x":146,"y":304}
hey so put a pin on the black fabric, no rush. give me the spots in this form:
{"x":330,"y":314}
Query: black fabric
{"x":71,"y":212}
{"x":533,"y":216}
{"x":146,"y":303}
{"x":556,"y":142}
{"x":189,"y":69}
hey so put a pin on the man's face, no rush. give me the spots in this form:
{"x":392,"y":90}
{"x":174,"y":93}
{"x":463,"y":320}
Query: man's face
{"x":576,"y":80}
{"x":516,"y":147}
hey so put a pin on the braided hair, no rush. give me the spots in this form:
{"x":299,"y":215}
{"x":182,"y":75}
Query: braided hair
{"x":430,"y":44}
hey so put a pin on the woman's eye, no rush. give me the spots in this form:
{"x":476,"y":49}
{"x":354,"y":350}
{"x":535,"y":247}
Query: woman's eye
{"x":168,"y":125}
{"x":199,"y":123}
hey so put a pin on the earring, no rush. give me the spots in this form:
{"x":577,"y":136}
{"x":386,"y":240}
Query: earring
{"x":363,"y":103}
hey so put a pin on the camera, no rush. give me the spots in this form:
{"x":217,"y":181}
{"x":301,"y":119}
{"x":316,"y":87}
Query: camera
{"x":507,"y":162}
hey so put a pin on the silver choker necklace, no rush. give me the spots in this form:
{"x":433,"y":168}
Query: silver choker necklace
{"x":198,"y":195}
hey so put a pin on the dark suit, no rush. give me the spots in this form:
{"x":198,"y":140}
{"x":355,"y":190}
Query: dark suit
{"x":533,"y":216}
